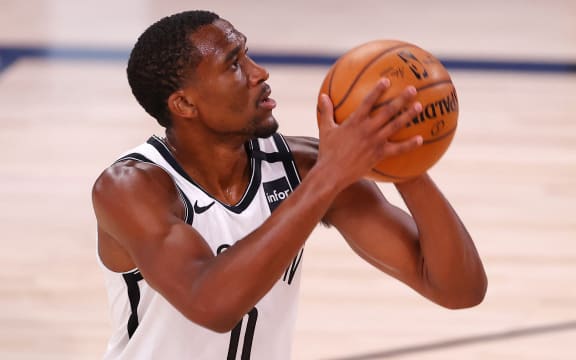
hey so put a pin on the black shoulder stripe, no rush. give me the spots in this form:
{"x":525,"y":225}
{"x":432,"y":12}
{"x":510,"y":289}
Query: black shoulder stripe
{"x":135,"y":156}
{"x":288,"y":161}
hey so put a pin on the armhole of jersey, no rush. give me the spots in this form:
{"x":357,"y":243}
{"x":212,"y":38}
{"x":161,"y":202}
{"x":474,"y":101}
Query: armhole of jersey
{"x":188,"y":213}
{"x":287,"y":161}
{"x":131,"y":279}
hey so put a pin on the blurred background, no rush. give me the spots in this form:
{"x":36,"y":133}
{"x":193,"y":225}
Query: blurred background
{"x":66,"y":112}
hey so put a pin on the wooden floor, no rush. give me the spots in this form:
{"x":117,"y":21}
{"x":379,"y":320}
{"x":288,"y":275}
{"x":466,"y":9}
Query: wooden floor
{"x":510,"y":172}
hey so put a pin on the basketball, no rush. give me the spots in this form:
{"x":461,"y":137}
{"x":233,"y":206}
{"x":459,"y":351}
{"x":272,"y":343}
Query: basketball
{"x":355,"y":74}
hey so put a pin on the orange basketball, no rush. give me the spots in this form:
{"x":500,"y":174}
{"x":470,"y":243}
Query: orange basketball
{"x":355,"y":74}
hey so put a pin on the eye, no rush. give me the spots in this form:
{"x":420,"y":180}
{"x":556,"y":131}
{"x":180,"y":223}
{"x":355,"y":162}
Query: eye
{"x":235,"y":65}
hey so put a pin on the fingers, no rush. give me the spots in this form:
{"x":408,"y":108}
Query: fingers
{"x":393,"y":117}
{"x":391,"y":148}
{"x":390,"y":118}
{"x":394,"y":106}
{"x":325,"y":113}
{"x":400,"y":147}
{"x":367,"y":104}
{"x":399,"y":121}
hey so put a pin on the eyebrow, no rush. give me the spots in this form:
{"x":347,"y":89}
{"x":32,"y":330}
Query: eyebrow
{"x":234,"y":52}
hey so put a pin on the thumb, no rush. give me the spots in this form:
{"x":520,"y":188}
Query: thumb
{"x":325,"y":113}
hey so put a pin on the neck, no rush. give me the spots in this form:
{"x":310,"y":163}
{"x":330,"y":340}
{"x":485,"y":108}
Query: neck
{"x":220,"y":166}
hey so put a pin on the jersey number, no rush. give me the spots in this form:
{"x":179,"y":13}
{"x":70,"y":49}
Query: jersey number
{"x":248,"y":337}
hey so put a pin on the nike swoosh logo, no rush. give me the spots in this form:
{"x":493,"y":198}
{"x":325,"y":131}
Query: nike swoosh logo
{"x":200,"y":209}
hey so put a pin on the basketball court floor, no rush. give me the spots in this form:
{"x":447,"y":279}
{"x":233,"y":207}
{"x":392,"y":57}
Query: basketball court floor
{"x":66,"y":112}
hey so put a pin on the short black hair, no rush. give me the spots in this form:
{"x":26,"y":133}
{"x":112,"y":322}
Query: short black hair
{"x":160,"y":58}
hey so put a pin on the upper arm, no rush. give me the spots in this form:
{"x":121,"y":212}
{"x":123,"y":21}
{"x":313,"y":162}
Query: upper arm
{"x":381,"y":233}
{"x":137,"y":204}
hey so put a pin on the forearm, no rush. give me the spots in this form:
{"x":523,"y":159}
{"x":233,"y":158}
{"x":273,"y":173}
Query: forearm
{"x":451,"y":265}
{"x":234,"y":281}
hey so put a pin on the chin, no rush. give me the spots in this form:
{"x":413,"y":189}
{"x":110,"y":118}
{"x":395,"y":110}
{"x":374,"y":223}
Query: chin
{"x":266,"y":129}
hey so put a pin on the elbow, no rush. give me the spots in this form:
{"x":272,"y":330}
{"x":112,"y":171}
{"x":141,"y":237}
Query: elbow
{"x":221,"y":327}
{"x":215,"y":319}
{"x":217,"y":323}
{"x":468,"y":296}
{"x":479,"y":290}
{"x":464,"y":302}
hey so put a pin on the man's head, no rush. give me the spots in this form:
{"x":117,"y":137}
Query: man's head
{"x":194,"y":65}
{"x":161,"y":57}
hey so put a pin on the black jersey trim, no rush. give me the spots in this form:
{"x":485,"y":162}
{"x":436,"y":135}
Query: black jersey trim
{"x":188,"y":212}
{"x":288,"y":161}
{"x":133,"y":289}
{"x":255,"y":178}
{"x":272,"y":157}
{"x":135,"y":156}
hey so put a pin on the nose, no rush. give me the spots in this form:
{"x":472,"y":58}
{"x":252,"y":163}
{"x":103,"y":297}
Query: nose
{"x":257,"y":74}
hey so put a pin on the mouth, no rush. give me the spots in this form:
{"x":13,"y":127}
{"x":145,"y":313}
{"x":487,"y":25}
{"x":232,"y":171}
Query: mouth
{"x":265,"y":101}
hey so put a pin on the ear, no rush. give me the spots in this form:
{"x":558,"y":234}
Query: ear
{"x":181,"y":105}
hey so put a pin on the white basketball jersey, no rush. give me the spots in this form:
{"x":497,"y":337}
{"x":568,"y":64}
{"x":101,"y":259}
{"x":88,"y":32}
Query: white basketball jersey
{"x":146,"y":326}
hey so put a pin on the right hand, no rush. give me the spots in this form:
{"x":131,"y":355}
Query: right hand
{"x":349,"y":150}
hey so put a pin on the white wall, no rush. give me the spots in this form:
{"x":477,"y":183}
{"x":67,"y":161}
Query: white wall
{"x":514,"y":29}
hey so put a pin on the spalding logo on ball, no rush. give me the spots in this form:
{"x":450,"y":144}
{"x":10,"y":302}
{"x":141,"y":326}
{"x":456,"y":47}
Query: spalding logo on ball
{"x":355,"y":74}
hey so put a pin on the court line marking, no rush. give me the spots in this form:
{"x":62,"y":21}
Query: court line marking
{"x":464,"y":341}
{"x":11,"y":54}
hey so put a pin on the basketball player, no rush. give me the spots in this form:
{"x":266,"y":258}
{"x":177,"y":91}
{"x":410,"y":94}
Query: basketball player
{"x":201,"y":232}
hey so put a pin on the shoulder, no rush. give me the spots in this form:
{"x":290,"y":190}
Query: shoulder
{"x":129,"y":173}
{"x":132,"y":180}
{"x":304,"y":150}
